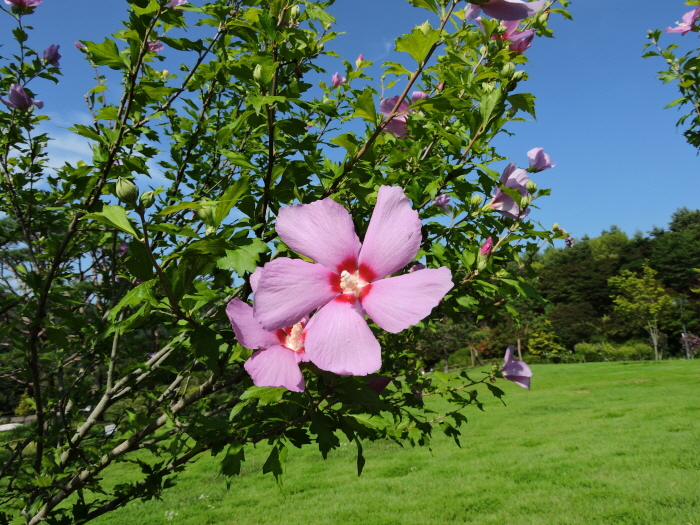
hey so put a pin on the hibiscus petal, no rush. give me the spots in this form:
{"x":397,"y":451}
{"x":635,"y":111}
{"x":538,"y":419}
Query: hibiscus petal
{"x":394,"y":233}
{"x":398,"y":127}
{"x":288,"y":290}
{"x":255,"y":278}
{"x":248,"y":330}
{"x":339,"y":340}
{"x":511,"y":9}
{"x":322,"y":231}
{"x":399,"y":302}
{"x":386,"y":105}
{"x":276,"y":367}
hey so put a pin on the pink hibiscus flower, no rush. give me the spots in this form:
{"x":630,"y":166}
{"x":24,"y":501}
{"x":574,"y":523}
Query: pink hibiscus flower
{"x":505,"y":9}
{"x":688,"y":20}
{"x":503,"y":203}
{"x":397,"y":125}
{"x":23,"y":3}
{"x":539,"y":160}
{"x":349,"y":280}
{"x":18,"y":99}
{"x":516,"y":371}
{"x":276,"y":364}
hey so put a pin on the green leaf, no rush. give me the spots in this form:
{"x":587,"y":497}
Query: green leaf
{"x":348,"y":141}
{"x":276,"y":462}
{"x":360,"y":457}
{"x":523,"y":102}
{"x":114,"y":216}
{"x":244,"y":259}
{"x":431,"y":5}
{"x":106,"y":54}
{"x":394,"y":68}
{"x":229,"y":199}
{"x":173,"y":230}
{"x":143,"y":293}
{"x":371,"y":421}
{"x":267,"y":395}
{"x":488,"y":103}
{"x":231,"y":463}
{"x":180,"y":207}
{"x":139,"y":263}
{"x":206,"y":344}
{"x":497,"y":392}
{"x":365,"y":107}
{"x":418,"y":42}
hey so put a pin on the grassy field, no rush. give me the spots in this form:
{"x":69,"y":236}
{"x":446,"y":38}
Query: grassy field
{"x":597,"y":443}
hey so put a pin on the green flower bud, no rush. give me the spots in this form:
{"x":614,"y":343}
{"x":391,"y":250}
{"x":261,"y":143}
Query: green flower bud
{"x":519,"y":75}
{"x":127,"y":191}
{"x":508,"y":70}
{"x":257,"y":73}
{"x":147,"y":200}
{"x":205,"y":214}
{"x":476,"y":200}
{"x":555,"y":226}
{"x":524,"y":202}
{"x":294,"y":12}
{"x":531,"y":186}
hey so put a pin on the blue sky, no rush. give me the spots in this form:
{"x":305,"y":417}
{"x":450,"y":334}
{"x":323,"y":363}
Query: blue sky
{"x":620,"y":159}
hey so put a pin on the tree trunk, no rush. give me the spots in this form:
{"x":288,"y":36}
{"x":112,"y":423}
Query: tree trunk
{"x":654,"y":334}
{"x":447,"y":362}
{"x":471,"y":353}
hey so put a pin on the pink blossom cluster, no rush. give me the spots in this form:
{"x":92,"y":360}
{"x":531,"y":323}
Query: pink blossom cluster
{"x":304,"y":311}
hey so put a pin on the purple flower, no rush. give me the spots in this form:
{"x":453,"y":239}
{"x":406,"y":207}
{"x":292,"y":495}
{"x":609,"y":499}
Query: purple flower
{"x":51,"y":55}
{"x":505,"y":9}
{"x":348,"y":281}
{"x":397,"y":125}
{"x":18,"y":99}
{"x":337,"y":80}
{"x":155,"y":46}
{"x":442,"y":201}
{"x":175,"y":3}
{"x":521,"y":40}
{"x":276,"y":363}
{"x":503,"y":203}
{"x":539,"y":160}
{"x":416,"y":267}
{"x":123,"y":249}
{"x":486,"y":248}
{"x":516,"y":371}
{"x":683,"y":27}
{"x":23,"y":3}
{"x":569,"y":241}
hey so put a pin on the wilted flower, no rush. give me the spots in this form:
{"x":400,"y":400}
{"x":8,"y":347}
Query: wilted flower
{"x":276,"y":363}
{"x":503,"y":203}
{"x":569,"y":241}
{"x":155,"y":46}
{"x":486,"y":248}
{"x":18,"y":99}
{"x":516,"y":371}
{"x":23,"y":3}
{"x":539,"y":160}
{"x":337,"y":80}
{"x":349,"y":281}
{"x":505,"y":9}
{"x":397,"y":125}
{"x":51,"y":55}
{"x":442,"y":201}
{"x":686,"y":25}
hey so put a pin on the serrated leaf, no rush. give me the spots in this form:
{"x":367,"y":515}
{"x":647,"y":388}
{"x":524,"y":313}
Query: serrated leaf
{"x":371,"y":421}
{"x":418,"y":42}
{"x":265,"y":394}
{"x":431,"y":5}
{"x":276,"y":462}
{"x":143,"y":293}
{"x":231,"y":196}
{"x":106,"y":54}
{"x":365,"y":107}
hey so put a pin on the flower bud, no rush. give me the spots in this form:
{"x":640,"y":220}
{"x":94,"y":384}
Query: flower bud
{"x":294,"y":12}
{"x":165,"y":73}
{"x":555,"y":226}
{"x":127,"y":191}
{"x":205,"y":214}
{"x":476,"y":200}
{"x":518,"y":76}
{"x":147,"y":200}
{"x":524,"y":203}
{"x":257,"y":73}
{"x":359,"y":61}
{"x":531,"y":187}
{"x":508,"y":70}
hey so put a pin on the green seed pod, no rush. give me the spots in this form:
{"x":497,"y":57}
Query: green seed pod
{"x":127,"y":191}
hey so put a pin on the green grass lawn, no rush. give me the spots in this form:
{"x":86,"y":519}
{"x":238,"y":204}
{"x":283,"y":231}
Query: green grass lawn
{"x":597,"y":443}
